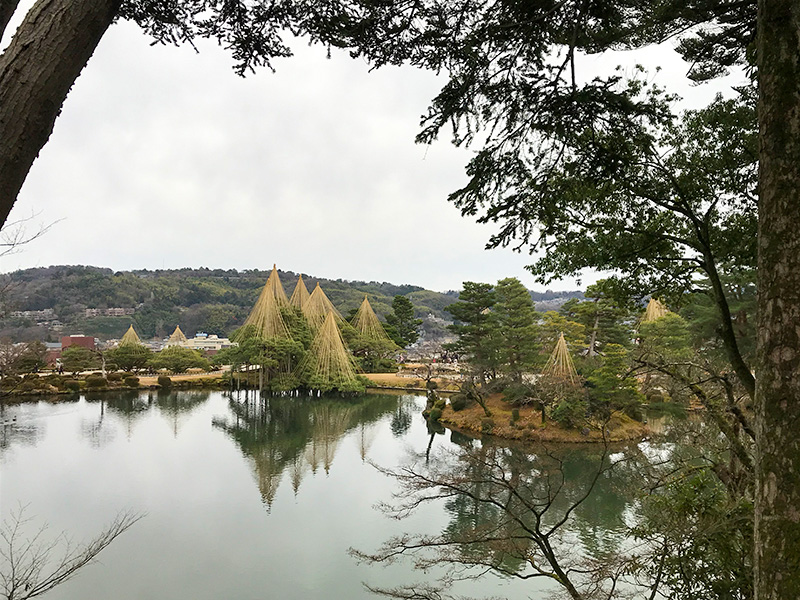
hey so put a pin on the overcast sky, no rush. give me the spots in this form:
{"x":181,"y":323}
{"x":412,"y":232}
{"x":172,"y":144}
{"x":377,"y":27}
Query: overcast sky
{"x":164,"y":158}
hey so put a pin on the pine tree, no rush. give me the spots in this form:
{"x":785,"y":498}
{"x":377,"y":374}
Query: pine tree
{"x":516,"y":320}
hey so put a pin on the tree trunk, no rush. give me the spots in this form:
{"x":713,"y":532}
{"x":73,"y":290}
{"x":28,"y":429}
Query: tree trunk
{"x":777,"y":502}
{"x":728,"y":335}
{"x":7,"y":9}
{"x":37,"y":70}
{"x":593,"y":339}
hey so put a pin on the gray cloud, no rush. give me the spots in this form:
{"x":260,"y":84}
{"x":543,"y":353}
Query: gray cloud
{"x":165,"y":158}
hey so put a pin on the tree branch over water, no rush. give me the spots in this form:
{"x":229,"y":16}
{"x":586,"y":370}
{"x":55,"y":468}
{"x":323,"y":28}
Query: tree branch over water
{"x":32,"y":564}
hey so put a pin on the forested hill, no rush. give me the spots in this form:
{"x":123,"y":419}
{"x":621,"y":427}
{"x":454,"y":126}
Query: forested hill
{"x":215,"y":301}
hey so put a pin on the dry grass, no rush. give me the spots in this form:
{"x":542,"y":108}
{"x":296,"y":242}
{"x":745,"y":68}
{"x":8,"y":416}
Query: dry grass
{"x":148,"y":380}
{"x":529,"y":426}
{"x":393,"y":380}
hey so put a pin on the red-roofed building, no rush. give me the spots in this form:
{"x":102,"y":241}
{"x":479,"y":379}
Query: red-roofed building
{"x":78,"y":340}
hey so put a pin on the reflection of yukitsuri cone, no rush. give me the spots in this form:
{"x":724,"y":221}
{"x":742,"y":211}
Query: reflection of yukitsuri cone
{"x":655,"y":310}
{"x":131,"y":338}
{"x":317,"y":307}
{"x":298,"y":470}
{"x":560,"y":365}
{"x":366,"y":437}
{"x":330,"y":424}
{"x":300,"y":294}
{"x":327,"y":362}
{"x":312,"y":455}
{"x":266,"y":314}
{"x":366,"y":322}
{"x":268,"y":473}
{"x":177,"y":338}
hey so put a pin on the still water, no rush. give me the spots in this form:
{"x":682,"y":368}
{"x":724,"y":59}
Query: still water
{"x":240,"y":500}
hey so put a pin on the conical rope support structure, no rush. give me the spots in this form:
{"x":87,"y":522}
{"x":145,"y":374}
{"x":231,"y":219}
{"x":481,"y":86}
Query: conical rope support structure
{"x":560,"y":366}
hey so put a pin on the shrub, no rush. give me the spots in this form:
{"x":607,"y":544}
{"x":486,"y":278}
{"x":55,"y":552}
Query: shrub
{"x":132,"y":381}
{"x":96,"y":381}
{"x":26,"y":386}
{"x":435,"y":415}
{"x":114,"y":376}
{"x":440,"y":403}
{"x":10,"y":381}
{"x":164,"y":381}
{"x":72,"y":385}
{"x":514,"y":415}
{"x":570,"y":413}
{"x":431,"y":384}
{"x":487,"y":424}
{"x":458,"y":402}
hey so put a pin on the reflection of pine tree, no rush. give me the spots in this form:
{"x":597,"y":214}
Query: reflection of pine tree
{"x":401,"y":421}
{"x":296,"y":434}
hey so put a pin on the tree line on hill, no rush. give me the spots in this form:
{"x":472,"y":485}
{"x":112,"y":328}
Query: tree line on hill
{"x":212,"y":301}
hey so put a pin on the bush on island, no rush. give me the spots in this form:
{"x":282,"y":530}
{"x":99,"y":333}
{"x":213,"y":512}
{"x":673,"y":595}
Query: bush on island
{"x":164,"y":381}
{"x":458,"y":402}
{"x":96,"y":381}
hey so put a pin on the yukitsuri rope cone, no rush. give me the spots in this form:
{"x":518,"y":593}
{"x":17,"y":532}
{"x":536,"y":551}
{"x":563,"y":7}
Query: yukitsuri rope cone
{"x":266,"y":314}
{"x":177,"y":338}
{"x":655,"y":310}
{"x":275,"y":286}
{"x":328,"y":364}
{"x":317,"y":307}
{"x":366,"y":322}
{"x":130,"y":338}
{"x":560,"y":366}
{"x":300,"y":294}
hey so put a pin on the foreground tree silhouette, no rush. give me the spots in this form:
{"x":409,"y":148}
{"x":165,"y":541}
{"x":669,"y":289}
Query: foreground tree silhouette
{"x":31,"y":563}
{"x":513,"y":71}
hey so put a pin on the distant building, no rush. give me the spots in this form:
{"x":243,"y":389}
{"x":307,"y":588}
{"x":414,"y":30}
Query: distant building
{"x":48,"y":314}
{"x":79,"y":340}
{"x":205,"y":342}
{"x":53,"y":353}
{"x":108,"y":312}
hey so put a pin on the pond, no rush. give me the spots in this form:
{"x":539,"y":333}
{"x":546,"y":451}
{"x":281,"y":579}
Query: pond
{"x":244,"y":498}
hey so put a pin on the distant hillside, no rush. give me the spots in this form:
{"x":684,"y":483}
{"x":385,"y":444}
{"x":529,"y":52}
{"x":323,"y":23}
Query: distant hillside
{"x":46,"y":303}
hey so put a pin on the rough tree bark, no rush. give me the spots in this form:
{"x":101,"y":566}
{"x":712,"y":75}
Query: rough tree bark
{"x":37,"y":70}
{"x":777,"y":503}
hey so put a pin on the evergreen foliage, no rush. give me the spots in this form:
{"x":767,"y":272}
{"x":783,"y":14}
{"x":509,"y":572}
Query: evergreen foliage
{"x":129,"y":357}
{"x":178,"y":360}
{"x":516,"y":321}
{"x":401,"y":323}
{"x":77,"y":358}
{"x":475,"y":327}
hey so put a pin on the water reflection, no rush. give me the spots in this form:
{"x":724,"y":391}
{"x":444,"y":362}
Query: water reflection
{"x":14,"y":430}
{"x":177,"y":406}
{"x":514,"y":508}
{"x":295,"y":434}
